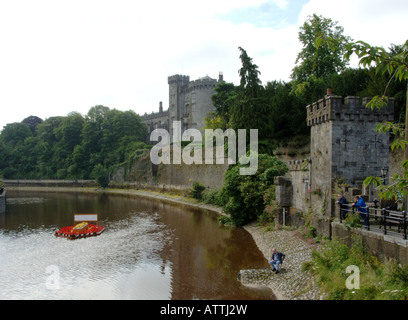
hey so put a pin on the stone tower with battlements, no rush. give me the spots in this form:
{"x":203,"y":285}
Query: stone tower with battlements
{"x":344,"y":146}
{"x":344,"y":141}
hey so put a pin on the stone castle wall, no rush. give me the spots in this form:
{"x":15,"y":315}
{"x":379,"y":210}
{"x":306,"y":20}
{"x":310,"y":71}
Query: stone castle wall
{"x":143,"y":170}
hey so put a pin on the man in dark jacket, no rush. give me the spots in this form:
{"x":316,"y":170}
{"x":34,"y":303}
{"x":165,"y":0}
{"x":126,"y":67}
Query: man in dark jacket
{"x":342,"y":201}
{"x":276,"y":260}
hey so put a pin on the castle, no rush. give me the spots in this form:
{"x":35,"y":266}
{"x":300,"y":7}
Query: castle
{"x":189,"y":102}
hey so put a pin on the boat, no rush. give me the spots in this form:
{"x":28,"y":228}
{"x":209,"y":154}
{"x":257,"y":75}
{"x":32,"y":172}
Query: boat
{"x":79,"y":231}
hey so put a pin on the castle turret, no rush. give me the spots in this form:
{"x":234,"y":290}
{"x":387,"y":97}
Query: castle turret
{"x":201,"y":104}
{"x":344,"y":141}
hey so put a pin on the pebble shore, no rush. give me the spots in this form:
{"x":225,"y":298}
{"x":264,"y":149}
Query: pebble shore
{"x":291,"y":283}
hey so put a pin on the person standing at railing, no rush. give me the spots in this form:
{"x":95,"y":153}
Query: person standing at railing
{"x":361,"y":209}
{"x":342,"y":202}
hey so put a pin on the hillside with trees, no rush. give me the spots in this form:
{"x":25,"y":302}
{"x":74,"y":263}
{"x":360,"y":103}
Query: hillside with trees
{"x":70,"y":147}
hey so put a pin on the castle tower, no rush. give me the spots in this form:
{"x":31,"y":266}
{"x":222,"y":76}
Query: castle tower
{"x":344,"y":141}
{"x":178,"y":86}
{"x":189,"y":102}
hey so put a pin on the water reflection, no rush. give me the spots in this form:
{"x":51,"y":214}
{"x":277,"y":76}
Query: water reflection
{"x":150,"y":250}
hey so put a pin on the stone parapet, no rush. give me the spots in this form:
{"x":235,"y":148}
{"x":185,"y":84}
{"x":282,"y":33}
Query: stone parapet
{"x":298,"y":165}
{"x":332,"y":108}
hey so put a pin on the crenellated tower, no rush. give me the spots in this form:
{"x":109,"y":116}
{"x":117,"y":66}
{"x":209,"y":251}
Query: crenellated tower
{"x":178,"y":86}
{"x":344,"y":141}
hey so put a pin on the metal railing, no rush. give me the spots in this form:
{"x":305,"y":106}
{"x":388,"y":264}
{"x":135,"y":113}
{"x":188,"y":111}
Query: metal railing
{"x":381,"y":217}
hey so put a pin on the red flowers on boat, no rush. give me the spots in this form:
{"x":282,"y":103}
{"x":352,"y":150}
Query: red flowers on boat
{"x":80,"y":231}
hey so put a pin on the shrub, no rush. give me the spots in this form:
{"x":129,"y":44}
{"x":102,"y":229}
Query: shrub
{"x":197,"y":191}
{"x":224,"y":220}
{"x":101,"y":175}
{"x":245,"y":193}
{"x":215,"y":197}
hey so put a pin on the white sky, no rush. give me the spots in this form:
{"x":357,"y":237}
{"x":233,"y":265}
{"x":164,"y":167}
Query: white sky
{"x":60,"y":56}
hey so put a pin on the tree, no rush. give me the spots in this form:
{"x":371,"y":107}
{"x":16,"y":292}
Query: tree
{"x":323,"y":48}
{"x":251,"y":108}
{"x":250,"y":84}
{"x":32,"y":122}
{"x":394,"y":63}
{"x":15,"y":133}
{"x":223,"y":100}
{"x":321,"y":57}
{"x":287,"y":110}
{"x":68,"y":135}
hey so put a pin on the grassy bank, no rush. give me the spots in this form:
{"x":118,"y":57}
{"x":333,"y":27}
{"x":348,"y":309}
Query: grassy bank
{"x":354,"y":274}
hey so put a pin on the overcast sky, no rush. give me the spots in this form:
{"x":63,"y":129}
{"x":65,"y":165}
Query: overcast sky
{"x":62,"y":56}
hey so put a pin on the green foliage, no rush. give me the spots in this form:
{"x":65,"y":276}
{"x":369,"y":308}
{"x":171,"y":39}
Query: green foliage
{"x":378,"y":281}
{"x":223,"y":100}
{"x":251,"y":108}
{"x":69,"y":147}
{"x":197,"y":190}
{"x":393,"y":63}
{"x":32,"y":122}
{"x":323,"y":48}
{"x":101,"y":175}
{"x":215,"y":197}
{"x":225,"y":220}
{"x":250,"y":84}
{"x":352,"y":221}
{"x":14,"y":134}
{"x":245,"y":194}
{"x":267,"y":217}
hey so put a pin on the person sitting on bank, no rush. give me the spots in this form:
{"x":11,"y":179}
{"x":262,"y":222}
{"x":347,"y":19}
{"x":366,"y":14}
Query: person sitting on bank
{"x":276,"y":260}
{"x":361,"y":209}
{"x":342,"y":201}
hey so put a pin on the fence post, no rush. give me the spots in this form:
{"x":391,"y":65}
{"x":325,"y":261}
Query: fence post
{"x":368,"y":218}
{"x":404,"y":216}
{"x":375,"y":209}
{"x":384,"y":219}
{"x":341,"y":219}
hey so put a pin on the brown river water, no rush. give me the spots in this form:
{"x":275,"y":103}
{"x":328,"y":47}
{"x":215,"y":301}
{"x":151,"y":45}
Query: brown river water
{"x":150,"y":250}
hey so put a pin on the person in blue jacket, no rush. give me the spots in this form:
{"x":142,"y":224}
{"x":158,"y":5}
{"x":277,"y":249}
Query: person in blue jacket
{"x":361,"y":209}
{"x":276,"y":260}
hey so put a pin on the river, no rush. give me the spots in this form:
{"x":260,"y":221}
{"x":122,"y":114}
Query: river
{"x":150,"y":250}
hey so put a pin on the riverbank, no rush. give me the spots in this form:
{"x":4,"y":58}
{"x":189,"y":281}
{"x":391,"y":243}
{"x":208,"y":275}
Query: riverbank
{"x":290,"y":284}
